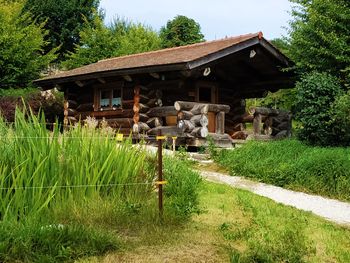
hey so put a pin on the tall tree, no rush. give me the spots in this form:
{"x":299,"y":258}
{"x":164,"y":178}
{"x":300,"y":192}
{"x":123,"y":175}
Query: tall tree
{"x":21,"y":46}
{"x":320,"y":37}
{"x":181,"y":31}
{"x":64,"y":19}
{"x":120,"y":38}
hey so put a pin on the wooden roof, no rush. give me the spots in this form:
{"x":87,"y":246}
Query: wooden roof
{"x":178,"y":58}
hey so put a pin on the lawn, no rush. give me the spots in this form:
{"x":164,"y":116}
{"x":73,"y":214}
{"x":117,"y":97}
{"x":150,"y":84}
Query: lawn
{"x":236,"y":226}
{"x":292,"y":164}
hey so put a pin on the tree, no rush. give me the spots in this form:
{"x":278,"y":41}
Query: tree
{"x":64,"y":19}
{"x":316,"y":92}
{"x":340,"y":114}
{"x":320,"y":37}
{"x":120,"y":38}
{"x":21,"y":46}
{"x":180,"y":31}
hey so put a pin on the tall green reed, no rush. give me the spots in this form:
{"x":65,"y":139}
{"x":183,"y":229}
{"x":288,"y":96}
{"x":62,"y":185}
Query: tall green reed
{"x":40,"y":169}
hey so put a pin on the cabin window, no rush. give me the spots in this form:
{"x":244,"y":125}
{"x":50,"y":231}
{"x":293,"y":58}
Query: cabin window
{"x":111,"y":99}
{"x":206,"y":93}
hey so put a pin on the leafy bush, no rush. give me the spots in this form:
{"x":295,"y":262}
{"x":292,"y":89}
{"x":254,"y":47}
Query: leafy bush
{"x":340,"y":114}
{"x":315,"y":94}
{"x":33,"y":242}
{"x":291,"y":164}
{"x":51,"y":105}
{"x":181,"y":192}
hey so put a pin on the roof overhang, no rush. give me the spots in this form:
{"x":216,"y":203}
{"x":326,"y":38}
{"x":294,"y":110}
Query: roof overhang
{"x":47,"y":83}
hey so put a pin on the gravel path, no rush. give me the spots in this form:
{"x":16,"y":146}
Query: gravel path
{"x":330,"y":209}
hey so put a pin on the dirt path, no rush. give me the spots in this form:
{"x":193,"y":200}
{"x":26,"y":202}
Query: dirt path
{"x":330,"y":209}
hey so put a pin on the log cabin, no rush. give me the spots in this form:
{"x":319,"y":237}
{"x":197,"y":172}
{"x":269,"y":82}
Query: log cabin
{"x":189,"y":92}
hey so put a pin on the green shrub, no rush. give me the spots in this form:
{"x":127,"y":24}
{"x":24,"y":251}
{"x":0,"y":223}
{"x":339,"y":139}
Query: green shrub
{"x":290,"y":163}
{"x":315,"y":94}
{"x":181,"y":191}
{"x":340,"y":118}
{"x":34,"y":242}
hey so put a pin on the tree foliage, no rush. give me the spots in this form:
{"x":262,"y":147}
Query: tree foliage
{"x":120,"y":38}
{"x":340,"y":118}
{"x":181,"y":31}
{"x":21,"y":46}
{"x":320,"y":37}
{"x":64,"y":19}
{"x":316,"y":92}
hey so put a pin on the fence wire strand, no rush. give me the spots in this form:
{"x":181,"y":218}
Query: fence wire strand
{"x":72,"y":186}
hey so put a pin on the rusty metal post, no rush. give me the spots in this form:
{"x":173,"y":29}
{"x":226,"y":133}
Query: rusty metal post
{"x":160,"y":174}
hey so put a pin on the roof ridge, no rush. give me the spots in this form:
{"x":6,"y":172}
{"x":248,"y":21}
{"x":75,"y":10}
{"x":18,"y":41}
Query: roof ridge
{"x":259,"y":34}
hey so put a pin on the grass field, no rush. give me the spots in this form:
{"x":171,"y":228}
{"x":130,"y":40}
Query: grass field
{"x":236,"y":226}
{"x":292,"y":164}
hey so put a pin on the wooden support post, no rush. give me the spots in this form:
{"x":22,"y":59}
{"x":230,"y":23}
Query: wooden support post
{"x":174,"y":144}
{"x":65,"y":113}
{"x":220,"y":123}
{"x":256,"y":123}
{"x":160,"y":174}
{"x":136,"y":109}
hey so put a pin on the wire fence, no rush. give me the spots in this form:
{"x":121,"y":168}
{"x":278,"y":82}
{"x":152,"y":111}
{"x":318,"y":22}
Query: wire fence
{"x":74,"y":186}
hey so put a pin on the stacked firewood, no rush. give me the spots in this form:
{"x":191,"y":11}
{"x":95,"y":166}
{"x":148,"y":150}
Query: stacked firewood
{"x":192,"y":120}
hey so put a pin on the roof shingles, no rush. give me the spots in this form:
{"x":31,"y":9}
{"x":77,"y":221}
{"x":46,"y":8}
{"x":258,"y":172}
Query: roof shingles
{"x":167,"y":56}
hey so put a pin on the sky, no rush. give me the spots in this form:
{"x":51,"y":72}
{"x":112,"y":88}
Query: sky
{"x":218,"y":18}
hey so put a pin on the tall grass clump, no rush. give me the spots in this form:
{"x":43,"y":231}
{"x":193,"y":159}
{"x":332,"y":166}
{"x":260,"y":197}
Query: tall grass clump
{"x":40,"y":169}
{"x":292,"y":164}
{"x":181,"y":192}
{"x":50,"y":178}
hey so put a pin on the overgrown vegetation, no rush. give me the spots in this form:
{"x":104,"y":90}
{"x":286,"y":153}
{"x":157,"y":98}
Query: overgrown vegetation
{"x":291,"y":164}
{"x":62,"y":192}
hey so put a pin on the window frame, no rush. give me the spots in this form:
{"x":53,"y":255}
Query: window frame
{"x":213,"y":91}
{"x":110,"y":89}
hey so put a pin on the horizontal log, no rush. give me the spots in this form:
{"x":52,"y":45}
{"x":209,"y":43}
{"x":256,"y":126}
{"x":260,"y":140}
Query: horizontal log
{"x":123,"y":113}
{"x":184,"y":115}
{"x":120,"y":122}
{"x":85,"y":107}
{"x":186,"y":125}
{"x":128,"y":104}
{"x":188,"y":105}
{"x":218,"y":137}
{"x":154,"y":122}
{"x":140,"y":127}
{"x":140,"y":108}
{"x":141,"y":99}
{"x":200,"y":120}
{"x":239,"y":118}
{"x":166,"y":131}
{"x":264,"y":111}
{"x":162,"y":111}
{"x":201,"y":132}
{"x":200,"y":109}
